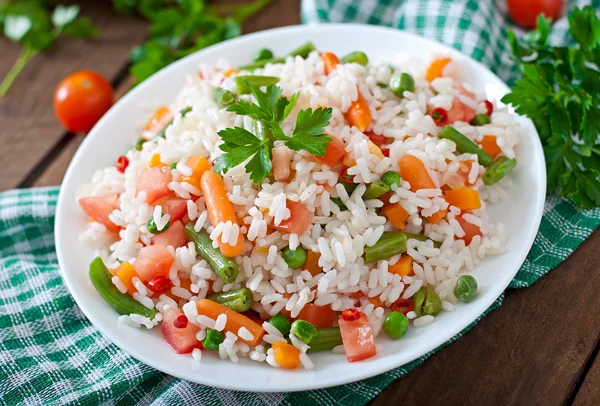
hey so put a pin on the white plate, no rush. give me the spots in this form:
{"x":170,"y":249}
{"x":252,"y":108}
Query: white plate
{"x":116,"y":131}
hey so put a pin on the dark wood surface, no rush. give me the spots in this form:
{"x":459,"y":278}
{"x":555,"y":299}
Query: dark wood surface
{"x":539,"y":347}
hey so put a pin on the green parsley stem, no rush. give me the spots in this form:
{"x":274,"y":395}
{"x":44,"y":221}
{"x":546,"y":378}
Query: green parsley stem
{"x":24,"y":57}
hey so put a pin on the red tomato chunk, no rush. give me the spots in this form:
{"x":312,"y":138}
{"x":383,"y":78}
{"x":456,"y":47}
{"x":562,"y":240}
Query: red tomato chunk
{"x":99,"y":208}
{"x":357,"y":337}
{"x":155,"y":182}
{"x":182,"y":339}
{"x":153,"y":261}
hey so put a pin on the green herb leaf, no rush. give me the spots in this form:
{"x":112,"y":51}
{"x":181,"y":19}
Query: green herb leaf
{"x":80,"y":28}
{"x":308,"y":134}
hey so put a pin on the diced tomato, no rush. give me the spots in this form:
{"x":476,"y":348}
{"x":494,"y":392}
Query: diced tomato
{"x":299,"y":221}
{"x":174,"y":236}
{"x":319,"y":316}
{"x":334,"y":153}
{"x":176,"y":208}
{"x":99,"y":208}
{"x":377,"y":139}
{"x":152,"y":261}
{"x":471,"y":230}
{"x":181,"y":340}
{"x":155,"y":182}
{"x":357,"y":337}
{"x":460,"y":112}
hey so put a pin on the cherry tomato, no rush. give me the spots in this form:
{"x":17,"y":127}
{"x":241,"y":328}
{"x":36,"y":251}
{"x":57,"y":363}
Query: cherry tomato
{"x":81,"y":99}
{"x":525,"y":12}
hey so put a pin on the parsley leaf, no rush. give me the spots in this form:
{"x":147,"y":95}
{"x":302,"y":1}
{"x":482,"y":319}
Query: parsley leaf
{"x":308,"y":134}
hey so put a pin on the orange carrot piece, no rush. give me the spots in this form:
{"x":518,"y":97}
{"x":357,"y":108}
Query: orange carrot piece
{"x":330,"y":62}
{"x":489,"y":145}
{"x":230,"y":71}
{"x":334,"y":153}
{"x":235,"y":320}
{"x":413,"y":171}
{"x":159,"y":119}
{"x":155,"y":161}
{"x":126,"y":273}
{"x":286,"y":355}
{"x":437,"y":216}
{"x":464,"y":199}
{"x":312,"y":263}
{"x":436,"y":69}
{"x":220,"y":209}
{"x":199,"y":165}
{"x":396,"y":214}
{"x":376,"y":301}
{"x":318,"y":316}
{"x":359,"y":114}
{"x":403,"y":267}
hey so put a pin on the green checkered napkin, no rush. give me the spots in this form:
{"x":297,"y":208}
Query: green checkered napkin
{"x":51,"y":354}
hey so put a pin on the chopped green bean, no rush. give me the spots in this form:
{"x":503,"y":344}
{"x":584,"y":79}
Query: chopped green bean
{"x":326,"y":339}
{"x":213,"y":339}
{"x":499,"y":169}
{"x":152,"y":228}
{"x":376,"y":189}
{"x":382,"y":85}
{"x":350,"y":187}
{"x":465,"y":145}
{"x":421,"y":237}
{"x":242,"y":82}
{"x":238,"y":300}
{"x":303,"y":331}
{"x":262,"y":53}
{"x":223,"y":97}
{"x":358,"y":57}
{"x":302,"y":51}
{"x":281,"y":323}
{"x":401,"y":83}
{"x":139,"y":144}
{"x":395,"y":325}
{"x":427,"y":302}
{"x":226,"y":268}
{"x":466,"y":288}
{"x":339,"y":203}
{"x":294,"y":258}
{"x":390,"y":244}
{"x":172,"y":166}
{"x":163,"y":133}
{"x":481,"y":119}
{"x":391,"y":178}
{"x":121,"y":302}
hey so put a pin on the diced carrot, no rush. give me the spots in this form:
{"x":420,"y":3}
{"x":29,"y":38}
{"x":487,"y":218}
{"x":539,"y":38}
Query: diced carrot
{"x":376,"y":301}
{"x":199,"y":165}
{"x":489,"y":145}
{"x":159,"y":119}
{"x":230,"y":71}
{"x":396,"y":214}
{"x":403,"y":267}
{"x":220,"y":209}
{"x":330,"y":62}
{"x":286,"y":355}
{"x":312,"y":263}
{"x":334,"y":153}
{"x":125,"y":273}
{"x":373,"y":150}
{"x":235,"y":320}
{"x":464,"y":199}
{"x":437,"y":216}
{"x":359,"y":114}
{"x":155,"y":161}
{"x":318,"y":316}
{"x":436,"y":69}
{"x":413,"y":171}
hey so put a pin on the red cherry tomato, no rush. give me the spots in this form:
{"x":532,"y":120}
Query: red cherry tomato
{"x":180,"y":321}
{"x":439,"y":115}
{"x":525,"y":12}
{"x":122,"y":163}
{"x":81,"y":99}
{"x":350,"y":314}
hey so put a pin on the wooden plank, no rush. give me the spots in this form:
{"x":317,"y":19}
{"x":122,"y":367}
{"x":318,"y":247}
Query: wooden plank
{"x":589,"y":393}
{"x":29,"y":129}
{"x":270,"y":17}
{"x":532,"y":350}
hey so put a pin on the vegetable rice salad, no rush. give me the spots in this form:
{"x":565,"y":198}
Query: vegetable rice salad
{"x":300,"y":204}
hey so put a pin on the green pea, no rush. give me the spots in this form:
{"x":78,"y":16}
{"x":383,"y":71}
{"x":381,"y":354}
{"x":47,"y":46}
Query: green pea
{"x":223,"y":97}
{"x":391,"y":178}
{"x":151,"y":225}
{"x":466,"y":288}
{"x":402,"y":83}
{"x":281,"y":323}
{"x":294,"y":258}
{"x":339,"y":203}
{"x":427,"y":302}
{"x":395,"y":325}
{"x":262,"y":53}
{"x":481,"y":119}
{"x":376,"y":189}
{"x":139,"y":144}
{"x":172,"y":166}
{"x":358,"y":57}
{"x":213,"y":339}
{"x":303,"y":331}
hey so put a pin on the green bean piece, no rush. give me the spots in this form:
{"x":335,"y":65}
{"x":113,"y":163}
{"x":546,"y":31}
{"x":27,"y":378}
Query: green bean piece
{"x":391,"y":178}
{"x":152,"y":228}
{"x":294,"y":258}
{"x":121,"y":302}
{"x":261,"y":54}
{"x":223,"y":97}
{"x":499,"y":169}
{"x":172,"y":166}
{"x":281,"y":323}
{"x":238,"y":300}
{"x":401,"y":83}
{"x":376,"y":189}
{"x":213,"y":339}
{"x":390,"y":244}
{"x":465,"y":145}
{"x":139,"y":144}
{"x":261,"y":130}
{"x":382,"y":85}
{"x":163,"y":133}
{"x":358,"y":57}
{"x":302,"y":51}
{"x":303,"y":331}
{"x":480,"y":119}
{"x":466,"y":288}
{"x":225,"y":268}
{"x":242,"y":82}
{"x":421,"y":237}
{"x":395,"y":325}
{"x":427,"y":302}
{"x":339,"y":203}
{"x":326,"y":339}
{"x":350,"y":187}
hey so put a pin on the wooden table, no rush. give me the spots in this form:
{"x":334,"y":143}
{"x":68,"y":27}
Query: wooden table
{"x":540,"y":347}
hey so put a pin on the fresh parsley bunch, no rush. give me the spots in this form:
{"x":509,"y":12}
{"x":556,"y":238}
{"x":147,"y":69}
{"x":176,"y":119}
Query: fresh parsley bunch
{"x":560,"y":91}
{"x":269,"y":111}
{"x":29,"y":23}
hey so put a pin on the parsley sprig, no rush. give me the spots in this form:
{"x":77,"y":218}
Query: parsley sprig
{"x":270,"y":110}
{"x":559,"y":90}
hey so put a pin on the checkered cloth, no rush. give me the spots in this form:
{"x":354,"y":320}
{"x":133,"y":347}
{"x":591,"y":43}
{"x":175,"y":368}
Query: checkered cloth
{"x":51,"y":354}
